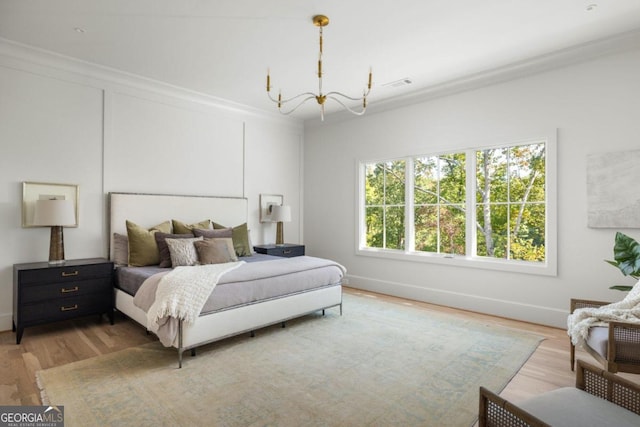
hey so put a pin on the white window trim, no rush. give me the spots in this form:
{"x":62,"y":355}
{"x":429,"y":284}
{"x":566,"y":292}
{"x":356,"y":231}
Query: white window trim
{"x":548,"y":268}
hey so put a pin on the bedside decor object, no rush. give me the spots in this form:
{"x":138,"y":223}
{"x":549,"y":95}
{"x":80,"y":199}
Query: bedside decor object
{"x":34,"y":191}
{"x":267,"y":201}
{"x":281,"y":214}
{"x":56,"y":213}
{"x":321,"y":21}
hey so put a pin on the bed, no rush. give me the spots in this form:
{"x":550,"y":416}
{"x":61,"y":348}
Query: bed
{"x":257,"y":307}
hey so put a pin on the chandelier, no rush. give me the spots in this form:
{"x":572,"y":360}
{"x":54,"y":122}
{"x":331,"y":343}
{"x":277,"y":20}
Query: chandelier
{"x":319,"y":21}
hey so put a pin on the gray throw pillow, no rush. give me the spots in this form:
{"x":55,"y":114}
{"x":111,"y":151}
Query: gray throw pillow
{"x":120,"y":249}
{"x":213,"y":234}
{"x":215,"y":251}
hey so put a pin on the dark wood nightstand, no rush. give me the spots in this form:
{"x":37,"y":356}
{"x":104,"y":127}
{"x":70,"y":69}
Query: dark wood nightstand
{"x":286,"y":250}
{"x":44,"y":293}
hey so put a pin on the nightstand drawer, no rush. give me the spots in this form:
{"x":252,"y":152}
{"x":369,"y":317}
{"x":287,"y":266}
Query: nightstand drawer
{"x":287,"y":252}
{"x":50,"y":291}
{"x":65,"y":308}
{"x":65,"y":273}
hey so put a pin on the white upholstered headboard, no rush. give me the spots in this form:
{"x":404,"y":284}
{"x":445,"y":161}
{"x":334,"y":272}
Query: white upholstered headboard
{"x":148,"y":210}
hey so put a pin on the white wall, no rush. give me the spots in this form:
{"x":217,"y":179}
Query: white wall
{"x":595,"y":107}
{"x":67,"y":122}
{"x":274,"y":159}
{"x":154,"y":144}
{"x":64,"y":121}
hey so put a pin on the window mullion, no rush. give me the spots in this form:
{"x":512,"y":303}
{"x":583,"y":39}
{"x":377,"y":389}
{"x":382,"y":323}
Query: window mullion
{"x":384,"y":207}
{"x":361,"y":207}
{"x":409,"y":226}
{"x":470,"y":204}
{"x":508,"y":226}
{"x":438,"y":205}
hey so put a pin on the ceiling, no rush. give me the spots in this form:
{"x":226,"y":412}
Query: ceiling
{"x":223,"y":48}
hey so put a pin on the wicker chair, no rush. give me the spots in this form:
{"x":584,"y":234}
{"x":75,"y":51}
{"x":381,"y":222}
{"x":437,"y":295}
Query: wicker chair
{"x":569,"y":406}
{"x":616,"y":346}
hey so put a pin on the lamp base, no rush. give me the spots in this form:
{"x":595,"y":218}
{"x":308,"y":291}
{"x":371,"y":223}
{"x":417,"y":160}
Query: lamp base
{"x":56,"y":246}
{"x":279,"y":234}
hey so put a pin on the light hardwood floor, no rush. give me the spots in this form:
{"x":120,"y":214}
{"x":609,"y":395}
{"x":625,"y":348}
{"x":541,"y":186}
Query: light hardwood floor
{"x":57,"y":344}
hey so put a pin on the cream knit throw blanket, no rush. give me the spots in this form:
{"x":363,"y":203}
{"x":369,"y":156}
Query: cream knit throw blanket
{"x":182,"y":292}
{"x":627,"y":310}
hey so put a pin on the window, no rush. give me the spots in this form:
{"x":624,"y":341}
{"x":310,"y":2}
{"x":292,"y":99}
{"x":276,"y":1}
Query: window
{"x":510,"y":202}
{"x":439,"y":192}
{"x":384,"y":204}
{"x":490,"y":207}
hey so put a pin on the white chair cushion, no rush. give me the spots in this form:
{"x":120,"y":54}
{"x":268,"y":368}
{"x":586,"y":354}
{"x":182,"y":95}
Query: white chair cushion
{"x":570,"y":407}
{"x":598,"y":339}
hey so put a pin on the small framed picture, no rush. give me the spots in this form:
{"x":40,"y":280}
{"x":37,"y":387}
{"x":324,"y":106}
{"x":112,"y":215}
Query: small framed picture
{"x":267,"y":201}
{"x":32,"y":191}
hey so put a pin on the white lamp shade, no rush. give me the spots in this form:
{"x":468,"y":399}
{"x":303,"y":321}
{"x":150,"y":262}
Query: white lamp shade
{"x":54,"y":212}
{"x":281,"y":213}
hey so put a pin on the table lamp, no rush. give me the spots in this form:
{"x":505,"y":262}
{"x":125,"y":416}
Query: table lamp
{"x":280,"y":214}
{"x":56,"y":214}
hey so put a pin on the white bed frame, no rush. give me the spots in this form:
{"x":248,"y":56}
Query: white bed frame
{"x":148,"y":210}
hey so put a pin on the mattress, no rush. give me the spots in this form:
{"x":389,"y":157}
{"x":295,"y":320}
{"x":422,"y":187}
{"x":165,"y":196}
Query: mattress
{"x":129,"y":279}
{"x":231,"y":293}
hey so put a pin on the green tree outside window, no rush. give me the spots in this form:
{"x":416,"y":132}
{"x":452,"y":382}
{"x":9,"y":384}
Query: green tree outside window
{"x":508,"y":195}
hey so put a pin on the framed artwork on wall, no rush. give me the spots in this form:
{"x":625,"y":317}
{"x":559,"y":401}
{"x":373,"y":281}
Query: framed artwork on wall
{"x":267,"y":201}
{"x":33,"y":191}
{"x":613,"y":196}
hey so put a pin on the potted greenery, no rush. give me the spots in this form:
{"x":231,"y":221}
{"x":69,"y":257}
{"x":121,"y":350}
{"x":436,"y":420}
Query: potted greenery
{"x":626,"y":255}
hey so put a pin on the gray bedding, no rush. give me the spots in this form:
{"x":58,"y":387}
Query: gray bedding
{"x":252,"y":282}
{"x":129,"y":279}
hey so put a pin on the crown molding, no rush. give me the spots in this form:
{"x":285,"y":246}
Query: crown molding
{"x":51,"y":64}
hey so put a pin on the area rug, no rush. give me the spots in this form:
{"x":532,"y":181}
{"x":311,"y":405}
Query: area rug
{"x":380,"y":364}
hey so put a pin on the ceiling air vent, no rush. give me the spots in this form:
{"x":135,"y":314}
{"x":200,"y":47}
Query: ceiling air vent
{"x":399,"y":83}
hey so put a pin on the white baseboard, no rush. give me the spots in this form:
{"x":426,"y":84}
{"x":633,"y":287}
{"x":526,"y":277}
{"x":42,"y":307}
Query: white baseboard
{"x":503,"y":308}
{"x":496,"y":307}
{"x":6,"y":323}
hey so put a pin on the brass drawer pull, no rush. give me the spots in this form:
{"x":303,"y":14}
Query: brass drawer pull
{"x":65,"y":290}
{"x":65,"y":274}
{"x":73,"y":307}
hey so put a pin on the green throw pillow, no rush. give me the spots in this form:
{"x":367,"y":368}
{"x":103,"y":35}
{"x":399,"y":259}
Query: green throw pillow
{"x":182,"y":228}
{"x":143,"y":249}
